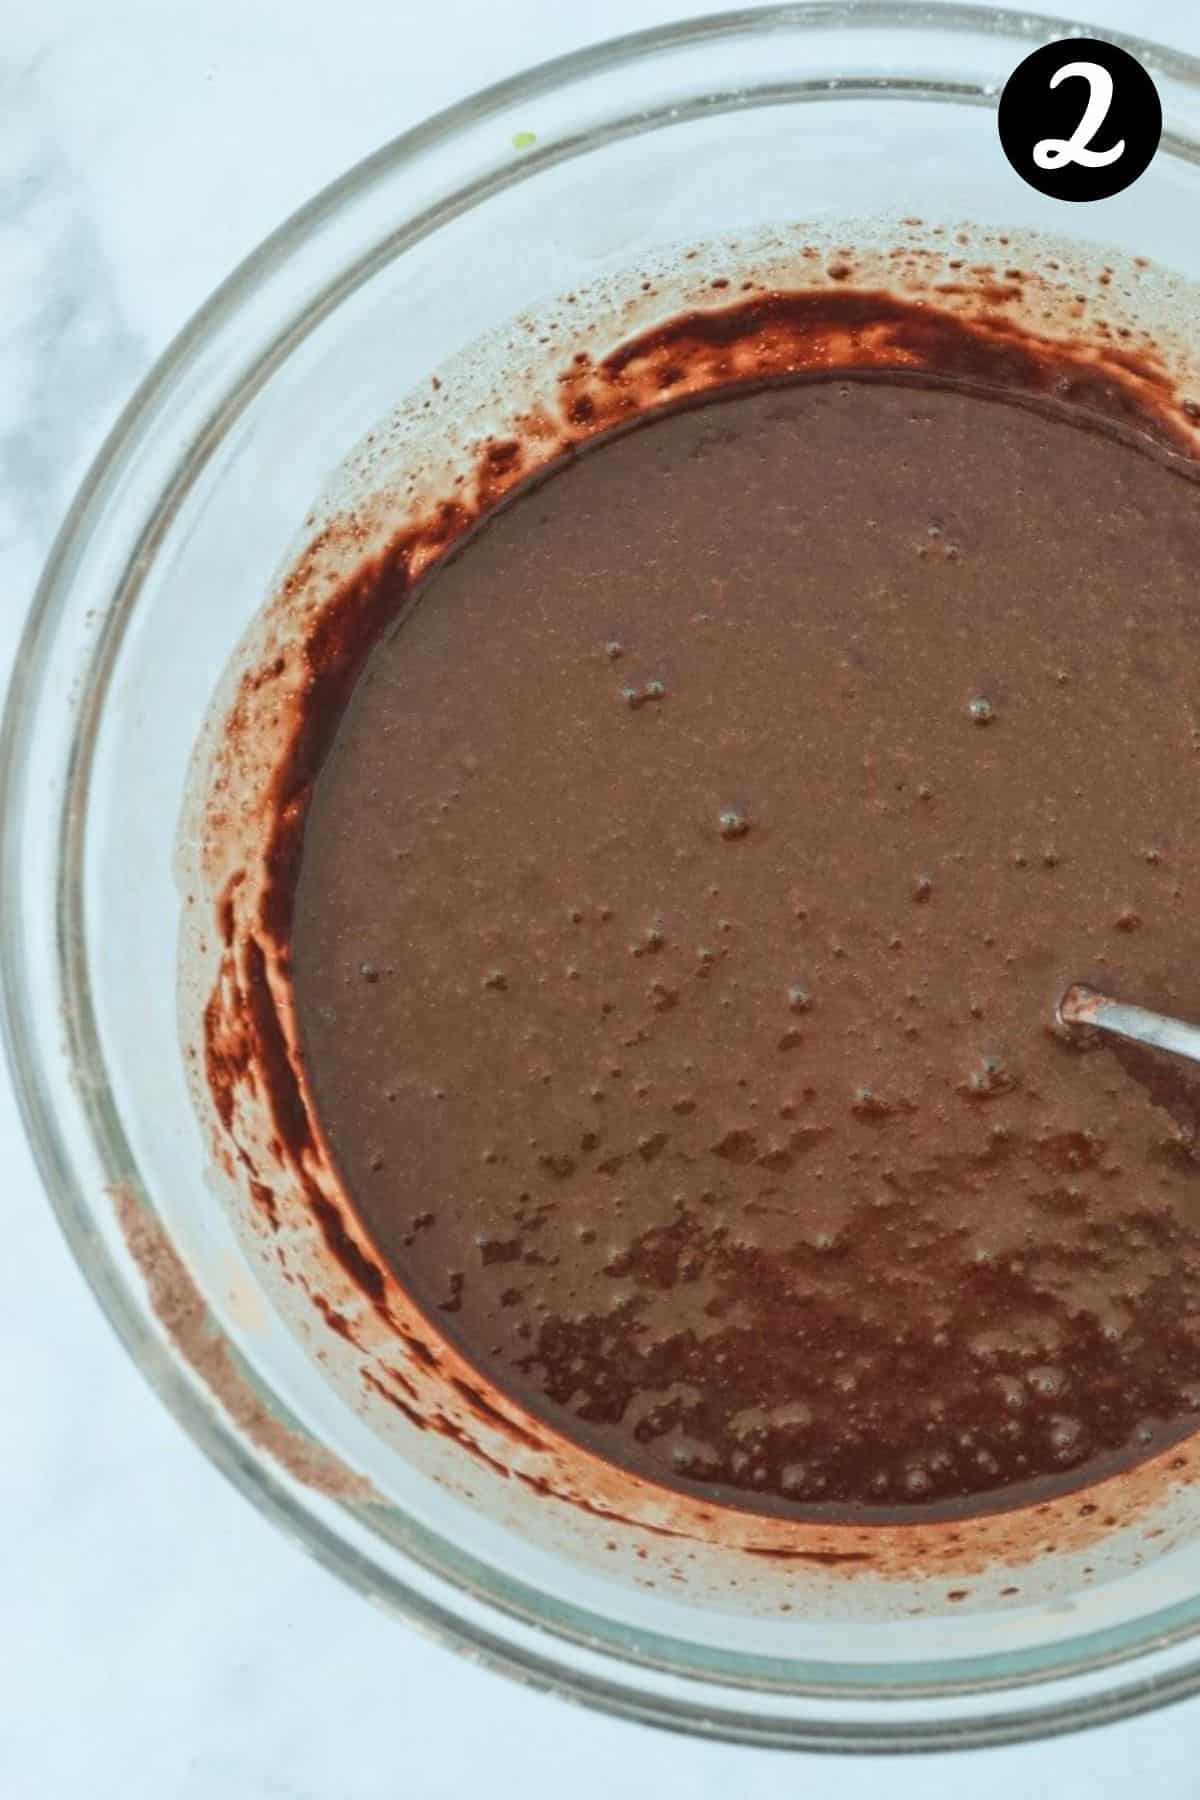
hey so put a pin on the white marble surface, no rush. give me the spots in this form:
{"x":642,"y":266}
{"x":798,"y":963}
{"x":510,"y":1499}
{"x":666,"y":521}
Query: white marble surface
{"x":158,"y":1638}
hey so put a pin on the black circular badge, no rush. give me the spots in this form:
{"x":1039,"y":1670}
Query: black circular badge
{"x":1080,"y":119}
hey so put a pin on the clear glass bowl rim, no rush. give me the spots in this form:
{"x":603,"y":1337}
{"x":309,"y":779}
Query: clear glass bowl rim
{"x":616,"y":1686}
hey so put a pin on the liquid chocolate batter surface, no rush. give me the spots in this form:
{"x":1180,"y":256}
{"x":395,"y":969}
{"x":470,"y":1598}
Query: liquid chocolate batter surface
{"x":683,"y":906}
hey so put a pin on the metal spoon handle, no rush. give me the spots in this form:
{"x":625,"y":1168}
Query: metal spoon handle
{"x":1084,"y":1006}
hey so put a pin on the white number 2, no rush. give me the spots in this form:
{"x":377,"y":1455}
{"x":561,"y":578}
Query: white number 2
{"x":1055,"y":153}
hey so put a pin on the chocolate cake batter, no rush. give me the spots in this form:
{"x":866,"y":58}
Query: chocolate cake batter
{"x":683,"y":906}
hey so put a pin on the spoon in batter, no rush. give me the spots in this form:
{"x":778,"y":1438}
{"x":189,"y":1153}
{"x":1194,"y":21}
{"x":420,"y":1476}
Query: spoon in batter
{"x":1084,"y":1006}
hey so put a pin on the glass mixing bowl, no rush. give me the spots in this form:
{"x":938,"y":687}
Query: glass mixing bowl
{"x":557,"y":181}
